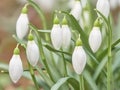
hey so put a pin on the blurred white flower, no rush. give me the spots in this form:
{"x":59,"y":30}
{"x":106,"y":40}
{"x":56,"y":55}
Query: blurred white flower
{"x":22,"y":26}
{"x":113,"y":4}
{"x":85,"y":19}
{"x":56,"y":36}
{"x":103,"y":6}
{"x":95,"y":39}
{"x":76,"y":10}
{"x":32,"y":52}
{"x":83,"y":2}
{"x":47,"y":5}
{"x":15,"y":68}
{"x":79,"y":59}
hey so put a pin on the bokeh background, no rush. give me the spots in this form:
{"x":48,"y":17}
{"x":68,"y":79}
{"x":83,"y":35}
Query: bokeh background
{"x":9,"y":13}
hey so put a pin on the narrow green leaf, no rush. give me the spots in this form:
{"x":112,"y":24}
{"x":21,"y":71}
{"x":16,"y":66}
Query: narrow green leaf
{"x":90,"y":80}
{"x":45,"y":77}
{"x":62,"y":81}
{"x":44,"y":31}
{"x":3,"y":66}
{"x":54,"y":50}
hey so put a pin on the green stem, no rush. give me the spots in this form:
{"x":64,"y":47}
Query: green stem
{"x":42,"y":51}
{"x":109,"y":63}
{"x":33,"y":76}
{"x":64,"y":62}
{"x":81,"y":82}
{"x":42,"y":16}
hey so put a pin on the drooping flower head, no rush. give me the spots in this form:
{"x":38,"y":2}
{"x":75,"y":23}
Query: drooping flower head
{"x":15,"y":66}
{"x":56,"y":34}
{"x":95,"y":37}
{"x":66,"y":34}
{"x":77,"y":9}
{"x":22,"y":24}
{"x":32,"y":51}
{"x":103,"y":6}
{"x":79,"y":57}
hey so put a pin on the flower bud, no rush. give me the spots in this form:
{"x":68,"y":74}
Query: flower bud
{"x":79,"y":58}
{"x":76,"y":10}
{"x":95,"y":39}
{"x":22,"y":24}
{"x":66,"y":34}
{"x":32,"y":51}
{"x":15,"y":66}
{"x":56,"y":34}
{"x":103,"y":6}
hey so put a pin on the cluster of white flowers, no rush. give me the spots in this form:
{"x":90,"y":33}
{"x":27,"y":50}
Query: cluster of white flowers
{"x":32,"y":50}
{"x":95,"y":37}
{"x":60,"y":36}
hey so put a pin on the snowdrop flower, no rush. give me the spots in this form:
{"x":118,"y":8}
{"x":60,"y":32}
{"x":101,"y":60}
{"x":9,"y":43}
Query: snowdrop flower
{"x":79,"y":58}
{"x":113,"y":4}
{"x":15,"y":66}
{"x":76,"y":10}
{"x":56,"y":34}
{"x":83,"y":2}
{"x":32,"y":51}
{"x":22,"y":24}
{"x":95,"y":37}
{"x":85,"y":19}
{"x":66,"y":34}
{"x":46,"y":5}
{"x":103,"y":6}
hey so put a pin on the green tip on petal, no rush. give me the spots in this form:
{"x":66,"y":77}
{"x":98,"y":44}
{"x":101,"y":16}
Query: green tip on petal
{"x":56,"y":20}
{"x":64,"y":21}
{"x":78,"y":42}
{"x":30,"y":37}
{"x":97,"y":22}
{"x":16,"y":51}
{"x":24,"y":10}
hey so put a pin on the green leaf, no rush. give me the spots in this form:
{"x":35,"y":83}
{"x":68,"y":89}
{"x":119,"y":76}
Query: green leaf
{"x":54,"y":50}
{"x":90,"y":80}
{"x":45,"y":77}
{"x":3,"y":66}
{"x":62,"y":81}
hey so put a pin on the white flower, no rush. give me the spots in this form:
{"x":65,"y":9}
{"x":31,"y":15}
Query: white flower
{"x":56,"y":36}
{"x":84,"y":3}
{"x":103,"y":6}
{"x":95,"y":39}
{"x":15,"y":68}
{"x":113,"y":4}
{"x":32,"y":52}
{"x":22,"y":26}
{"x":76,"y":10}
{"x":79,"y":59}
{"x":66,"y":36}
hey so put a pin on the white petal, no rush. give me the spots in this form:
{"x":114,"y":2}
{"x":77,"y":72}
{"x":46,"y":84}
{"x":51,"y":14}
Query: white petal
{"x":84,"y":3}
{"x":66,"y":36}
{"x":32,"y":52}
{"x":113,"y":4}
{"x":15,"y":68}
{"x":95,"y":39}
{"x":22,"y":26}
{"x":76,"y":10}
{"x":104,"y":7}
{"x":79,"y":59}
{"x":56,"y":36}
